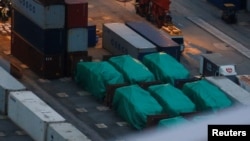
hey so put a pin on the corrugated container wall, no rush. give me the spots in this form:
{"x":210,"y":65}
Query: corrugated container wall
{"x":92,"y":37}
{"x":32,"y":114}
{"x":161,"y":41}
{"x":49,"y":41}
{"x":7,"y":84}
{"x":240,"y":4}
{"x":51,"y":2}
{"x":64,"y":132}
{"x":19,"y":48}
{"x":120,"y":39}
{"x":77,"y":39}
{"x":76,"y":13}
{"x":52,"y":16}
{"x":46,"y":66}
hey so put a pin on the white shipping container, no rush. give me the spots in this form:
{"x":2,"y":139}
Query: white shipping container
{"x":51,"y":16}
{"x":120,"y":39}
{"x":77,"y":39}
{"x":65,"y":132}
{"x":232,"y":89}
{"x":7,"y":84}
{"x":31,"y":114}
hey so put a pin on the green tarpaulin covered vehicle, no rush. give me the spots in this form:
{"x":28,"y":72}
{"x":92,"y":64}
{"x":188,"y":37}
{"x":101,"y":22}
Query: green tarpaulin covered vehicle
{"x":206,"y":96}
{"x":135,"y":104}
{"x":165,"y":67}
{"x":95,"y":76}
{"x":178,"y":120}
{"x":132,"y":69}
{"x":173,"y":100}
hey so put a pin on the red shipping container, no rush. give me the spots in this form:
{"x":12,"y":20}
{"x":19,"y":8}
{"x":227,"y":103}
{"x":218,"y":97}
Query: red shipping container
{"x":76,"y":13}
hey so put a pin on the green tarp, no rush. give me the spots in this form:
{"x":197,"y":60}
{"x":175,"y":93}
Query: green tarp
{"x":172,"y":122}
{"x":134,"y":104}
{"x":132,"y":69}
{"x":165,"y":67}
{"x":95,"y":76}
{"x":206,"y":96}
{"x":173,"y":100}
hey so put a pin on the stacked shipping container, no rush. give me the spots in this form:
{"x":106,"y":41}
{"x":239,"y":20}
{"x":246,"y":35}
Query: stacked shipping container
{"x":46,"y":65}
{"x":47,"y":41}
{"x":48,"y":34}
{"x":77,"y":32}
{"x":39,"y":37}
{"x":46,"y":17}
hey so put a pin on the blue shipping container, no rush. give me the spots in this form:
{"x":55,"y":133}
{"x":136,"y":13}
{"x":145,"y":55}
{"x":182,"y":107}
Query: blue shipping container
{"x":92,"y":37}
{"x":47,"y":66}
{"x":152,"y":34}
{"x":48,"y":41}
